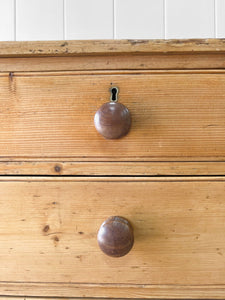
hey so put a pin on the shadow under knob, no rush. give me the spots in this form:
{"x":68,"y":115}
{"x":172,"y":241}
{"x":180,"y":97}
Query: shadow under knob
{"x":115,"y":236}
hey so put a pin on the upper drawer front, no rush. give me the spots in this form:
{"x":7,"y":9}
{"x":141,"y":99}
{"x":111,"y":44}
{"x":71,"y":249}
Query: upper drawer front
{"x":48,"y":234}
{"x":174,"y":115}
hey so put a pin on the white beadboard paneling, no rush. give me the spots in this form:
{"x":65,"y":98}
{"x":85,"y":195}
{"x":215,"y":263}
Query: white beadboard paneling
{"x":220,"y":18}
{"x":7,"y":24}
{"x":139,"y":19}
{"x":190,"y":18}
{"x":89,"y":19}
{"x":39,"y":20}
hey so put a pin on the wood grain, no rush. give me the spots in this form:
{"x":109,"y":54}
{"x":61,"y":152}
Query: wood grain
{"x":178,"y":61}
{"x":51,"y":225}
{"x":61,"y":168}
{"x":100,"y":291}
{"x":50,"y":91}
{"x":96,"y":47}
{"x":48,"y":298}
{"x":175,"y":115}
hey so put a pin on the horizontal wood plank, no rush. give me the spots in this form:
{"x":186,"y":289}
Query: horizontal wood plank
{"x":113,"y":179}
{"x":178,"y":61}
{"x":117,"y":292}
{"x":49,"y":298}
{"x":96,"y":47}
{"x":62,"y":168}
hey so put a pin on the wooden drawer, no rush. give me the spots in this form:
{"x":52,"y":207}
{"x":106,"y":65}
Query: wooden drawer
{"x":175,"y":116}
{"x":50,"y":92}
{"x":48,"y":244}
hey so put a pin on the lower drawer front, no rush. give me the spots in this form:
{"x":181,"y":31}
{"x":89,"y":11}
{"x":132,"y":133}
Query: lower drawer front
{"x":48,"y":243}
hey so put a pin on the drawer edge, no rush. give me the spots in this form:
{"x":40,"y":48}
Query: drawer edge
{"x":77,"y":168}
{"x":113,"y":291}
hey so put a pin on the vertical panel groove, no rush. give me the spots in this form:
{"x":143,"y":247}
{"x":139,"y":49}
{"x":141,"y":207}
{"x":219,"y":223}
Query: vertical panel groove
{"x":64,"y":19}
{"x":164,"y":17}
{"x":215,"y":16}
{"x":14,"y":20}
{"x":114,"y":21}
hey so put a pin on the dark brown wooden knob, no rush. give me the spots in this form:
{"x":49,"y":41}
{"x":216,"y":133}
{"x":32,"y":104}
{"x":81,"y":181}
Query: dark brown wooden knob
{"x":115,"y":236}
{"x":112,"y":120}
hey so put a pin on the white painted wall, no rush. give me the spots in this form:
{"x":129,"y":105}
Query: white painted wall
{"x":111,"y":19}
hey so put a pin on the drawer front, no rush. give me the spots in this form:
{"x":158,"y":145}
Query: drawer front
{"x":174,"y":115}
{"x":48,"y":234}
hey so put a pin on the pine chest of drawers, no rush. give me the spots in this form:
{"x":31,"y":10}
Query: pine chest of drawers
{"x":154,"y":196}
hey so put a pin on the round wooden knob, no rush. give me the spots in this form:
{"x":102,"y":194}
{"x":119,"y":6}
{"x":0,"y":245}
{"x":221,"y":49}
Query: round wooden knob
{"x":115,"y":236}
{"x":112,"y":120}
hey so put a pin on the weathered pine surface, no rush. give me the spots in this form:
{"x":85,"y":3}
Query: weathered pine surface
{"x":112,"y":55}
{"x":47,"y":114}
{"x":48,"y":230}
{"x":155,"y":61}
{"x":174,"y":116}
{"x":50,"y":92}
{"x":123,"y":168}
{"x":49,"y":298}
{"x":97,"y":47}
